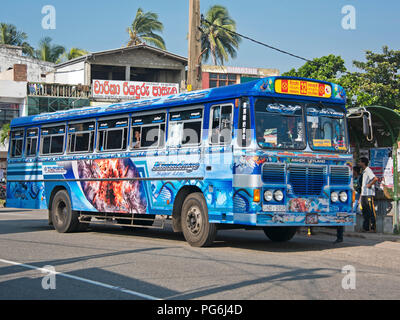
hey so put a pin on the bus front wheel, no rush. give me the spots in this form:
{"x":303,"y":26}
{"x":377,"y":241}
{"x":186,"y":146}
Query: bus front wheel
{"x":197,"y":229}
{"x":280,"y":234}
{"x":64,"y":219}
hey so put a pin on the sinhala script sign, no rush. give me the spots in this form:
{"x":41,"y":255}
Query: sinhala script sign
{"x":132,"y":90}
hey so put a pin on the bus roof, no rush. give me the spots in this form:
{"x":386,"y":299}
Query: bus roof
{"x":279,"y":87}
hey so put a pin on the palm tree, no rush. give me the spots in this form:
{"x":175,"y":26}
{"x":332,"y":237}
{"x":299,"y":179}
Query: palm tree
{"x":10,"y":35}
{"x":217,"y":41}
{"x":143,"y":30}
{"x":72,"y":54}
{"x":4,"y":134}
{"x":48,"y":52}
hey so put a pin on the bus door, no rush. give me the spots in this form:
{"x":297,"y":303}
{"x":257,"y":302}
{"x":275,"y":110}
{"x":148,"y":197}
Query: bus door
{"x":218,"y":157}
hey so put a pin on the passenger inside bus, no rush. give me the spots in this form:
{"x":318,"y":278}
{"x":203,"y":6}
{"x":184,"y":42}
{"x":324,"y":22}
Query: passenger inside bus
{"x":136,"y":139}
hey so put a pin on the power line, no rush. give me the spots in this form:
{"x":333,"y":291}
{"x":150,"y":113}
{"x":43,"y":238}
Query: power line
{"x":256,"y":41}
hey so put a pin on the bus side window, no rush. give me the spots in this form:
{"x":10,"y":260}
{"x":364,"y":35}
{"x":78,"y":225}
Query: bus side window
{"x":81,"y":137}
{"x":16,"y":143}
{"x":113,"y":134}
{"x":221,"y":125}
{"x":32,"y":136}
{"x":148,"y":131}
{"x":52,"y":140}
{"x":185,"y":128}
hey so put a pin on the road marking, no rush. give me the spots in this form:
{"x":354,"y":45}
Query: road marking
{"x":96,"y":283}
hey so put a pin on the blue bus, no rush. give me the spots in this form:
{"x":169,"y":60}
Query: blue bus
{"x":270,"y":154}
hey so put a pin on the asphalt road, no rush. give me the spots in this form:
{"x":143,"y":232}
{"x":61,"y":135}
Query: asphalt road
{"x":108,"y":262}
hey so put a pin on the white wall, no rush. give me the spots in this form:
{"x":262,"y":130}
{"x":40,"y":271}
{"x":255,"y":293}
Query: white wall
{"x":70,"y":74}
{"x":13,"y":89}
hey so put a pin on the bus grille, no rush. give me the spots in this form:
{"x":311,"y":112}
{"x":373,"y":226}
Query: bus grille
{"x":340,"y":176}
{"x":307,"y":180}
{"x":273,"y":173}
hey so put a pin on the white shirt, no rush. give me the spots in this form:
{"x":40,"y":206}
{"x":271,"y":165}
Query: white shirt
{"x":368,"y":176}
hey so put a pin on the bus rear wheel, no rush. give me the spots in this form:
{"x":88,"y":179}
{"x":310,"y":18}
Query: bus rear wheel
{"x":280,"y":234}
{"x":197,"y":229}
{"x":64,"y":219}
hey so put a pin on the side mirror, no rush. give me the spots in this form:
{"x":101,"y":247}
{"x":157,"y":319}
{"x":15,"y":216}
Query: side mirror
{"x":366,"y":126}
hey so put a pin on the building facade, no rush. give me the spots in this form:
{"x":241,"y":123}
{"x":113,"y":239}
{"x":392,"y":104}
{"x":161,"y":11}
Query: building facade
{"x":219,"y":76}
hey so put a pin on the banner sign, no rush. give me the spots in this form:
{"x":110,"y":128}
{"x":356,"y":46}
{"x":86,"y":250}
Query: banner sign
{"x":132,"y":90}
{"x":303,"y":88}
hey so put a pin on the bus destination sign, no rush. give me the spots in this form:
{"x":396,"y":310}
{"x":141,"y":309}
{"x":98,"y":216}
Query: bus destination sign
{"x":303,"y":88}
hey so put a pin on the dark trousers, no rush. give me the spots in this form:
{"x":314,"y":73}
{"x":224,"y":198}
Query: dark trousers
{"x":368,"y":211}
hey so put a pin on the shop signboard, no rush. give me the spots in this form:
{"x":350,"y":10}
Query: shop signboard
{"x":132,"y":90}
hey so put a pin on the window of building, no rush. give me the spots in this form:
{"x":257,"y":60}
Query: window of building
{"x":148,"y":131}
{"x":8,"y":111}
{"x":81,"y":137}
{"x":221,"y":125}
{"x":32,"y":137}
{"x":16,"y":143}
{"x":113,"y":134}
{"x":185,"y":128}
{"x":52,"y":140}
{"x":222,"y":79}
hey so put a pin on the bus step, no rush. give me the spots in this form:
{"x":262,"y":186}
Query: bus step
{"x":158,"y":222}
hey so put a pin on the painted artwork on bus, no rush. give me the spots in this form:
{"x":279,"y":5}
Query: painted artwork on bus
{"x":112,"y":196}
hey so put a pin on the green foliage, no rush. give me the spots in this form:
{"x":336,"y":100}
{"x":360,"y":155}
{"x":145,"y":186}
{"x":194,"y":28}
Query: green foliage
{"x":326,"y":68}
{"x":11,"y":36}
{"x":4,"y":134}
{"x":378,"y":82}
{"x":72,"y":54}
{"x":49,"y":52}
{"x":144,"y":28}
{"x":216,"y":42}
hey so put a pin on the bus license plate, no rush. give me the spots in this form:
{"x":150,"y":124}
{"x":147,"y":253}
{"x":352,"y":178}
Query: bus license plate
{"x":311,"y":219}
{"x":274,"y":208}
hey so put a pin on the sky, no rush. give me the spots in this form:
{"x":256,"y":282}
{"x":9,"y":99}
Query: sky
{"x":311,"y":28}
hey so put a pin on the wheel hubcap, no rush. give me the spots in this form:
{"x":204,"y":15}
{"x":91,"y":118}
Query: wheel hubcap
{"x":194,"y":220}
{"x":61,"y":212}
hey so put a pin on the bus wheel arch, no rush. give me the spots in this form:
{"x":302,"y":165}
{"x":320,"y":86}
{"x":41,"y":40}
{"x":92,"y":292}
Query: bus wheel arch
{"x":178,"y":203}
{"x":61,"y":215}
{"x":196,"y":228}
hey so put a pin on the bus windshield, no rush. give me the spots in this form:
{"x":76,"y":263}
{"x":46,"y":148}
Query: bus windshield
{"x":326,"y":128}
{"x":279,"y":124}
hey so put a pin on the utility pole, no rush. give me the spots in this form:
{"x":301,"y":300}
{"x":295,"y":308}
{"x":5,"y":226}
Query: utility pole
{"x":194,"y":63}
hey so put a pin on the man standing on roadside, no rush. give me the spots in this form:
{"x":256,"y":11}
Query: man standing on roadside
{"x":367,"y":196}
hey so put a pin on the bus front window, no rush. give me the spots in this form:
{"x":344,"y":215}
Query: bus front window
{"x":279,"y":125}
{"x":327,"y":128}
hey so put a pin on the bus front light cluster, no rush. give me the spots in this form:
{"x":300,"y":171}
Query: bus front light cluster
{"x":336,"y":197}
{"x":268,"y":195}
{"x":276,"y":195}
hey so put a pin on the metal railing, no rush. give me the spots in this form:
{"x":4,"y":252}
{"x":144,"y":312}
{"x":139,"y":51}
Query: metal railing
{"x":40,"y":89}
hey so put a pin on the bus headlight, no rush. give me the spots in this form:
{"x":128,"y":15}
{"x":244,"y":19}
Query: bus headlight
{"x":278,"y":195}
{"x":268,"y":196}
{"x":334,"y":197}
{"x":343,"y":196}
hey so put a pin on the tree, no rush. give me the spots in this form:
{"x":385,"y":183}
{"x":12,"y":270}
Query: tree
{"x":379,"y":81}
{"x":218,"y":39}
{"x":144,"y":28}
{"x":4,"y":134}
{"x":327,"y":68}
{"x":11,"y":36}
{"x":72,"y":54}
{"x":49,"y":52}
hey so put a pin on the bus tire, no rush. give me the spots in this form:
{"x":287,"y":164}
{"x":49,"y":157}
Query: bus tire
{"x":197,"y":229}
{"x":64,"y":219}
{"x":280,"y":234}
